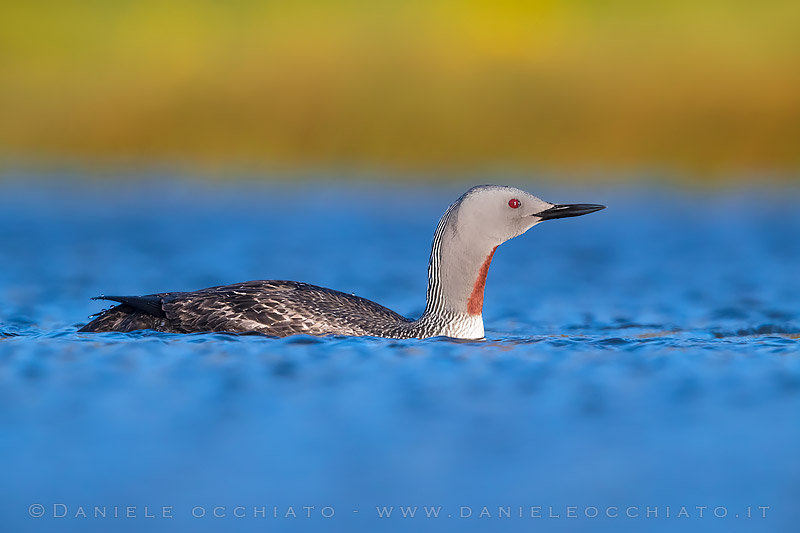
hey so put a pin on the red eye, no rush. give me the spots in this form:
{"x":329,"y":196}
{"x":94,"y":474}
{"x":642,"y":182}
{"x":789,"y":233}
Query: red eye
{"x":514,"y":203}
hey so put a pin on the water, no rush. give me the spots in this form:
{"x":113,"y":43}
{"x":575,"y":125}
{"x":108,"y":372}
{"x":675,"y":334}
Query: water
{"x":637,"y":359}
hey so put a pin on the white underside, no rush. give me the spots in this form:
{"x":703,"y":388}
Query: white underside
{"x":463,"y":327}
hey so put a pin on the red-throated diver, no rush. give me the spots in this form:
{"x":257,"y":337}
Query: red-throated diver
{"x":468,"y":233}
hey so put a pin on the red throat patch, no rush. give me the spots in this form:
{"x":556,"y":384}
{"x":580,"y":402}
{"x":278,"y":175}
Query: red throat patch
{"x":475,"y":302}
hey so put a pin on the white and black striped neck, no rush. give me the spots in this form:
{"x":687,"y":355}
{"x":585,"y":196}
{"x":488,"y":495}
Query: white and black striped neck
{"x":459,"y":262}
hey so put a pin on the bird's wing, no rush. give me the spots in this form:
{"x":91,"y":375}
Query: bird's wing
{"x":279,"y":308}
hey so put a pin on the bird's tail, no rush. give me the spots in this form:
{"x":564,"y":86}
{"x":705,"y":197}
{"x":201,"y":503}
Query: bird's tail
{"x":133,"y":313}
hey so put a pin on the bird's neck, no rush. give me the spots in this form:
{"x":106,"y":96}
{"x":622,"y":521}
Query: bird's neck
{"x":459,"y":264}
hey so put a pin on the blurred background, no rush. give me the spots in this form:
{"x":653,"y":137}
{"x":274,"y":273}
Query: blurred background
{"x":700,"y":90}
{"x":645,"y":355}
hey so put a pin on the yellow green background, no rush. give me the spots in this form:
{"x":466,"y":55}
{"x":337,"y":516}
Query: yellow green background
{"x":703,"y":88}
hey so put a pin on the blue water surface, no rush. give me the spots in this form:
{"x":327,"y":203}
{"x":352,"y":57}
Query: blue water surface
{"x":643,"y":361}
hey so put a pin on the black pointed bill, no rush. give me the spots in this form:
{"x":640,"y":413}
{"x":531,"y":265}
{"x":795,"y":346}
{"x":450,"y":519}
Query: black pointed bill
{"x":568,"y":210}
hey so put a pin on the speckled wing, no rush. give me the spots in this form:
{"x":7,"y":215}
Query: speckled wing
{"x":279,"y":308}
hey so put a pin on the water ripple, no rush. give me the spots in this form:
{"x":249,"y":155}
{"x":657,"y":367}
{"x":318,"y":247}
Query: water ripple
{"x":656,"y":372}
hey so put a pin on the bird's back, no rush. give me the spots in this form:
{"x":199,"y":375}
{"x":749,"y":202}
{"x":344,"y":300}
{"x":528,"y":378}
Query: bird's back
{"x":270,"y":307}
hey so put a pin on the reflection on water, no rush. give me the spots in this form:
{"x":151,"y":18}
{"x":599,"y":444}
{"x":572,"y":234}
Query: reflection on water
{"x":644,"y":356}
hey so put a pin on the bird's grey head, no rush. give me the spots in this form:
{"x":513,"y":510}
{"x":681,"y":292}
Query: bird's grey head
{"x":497,"y":213}
{"x":463,"y":246}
